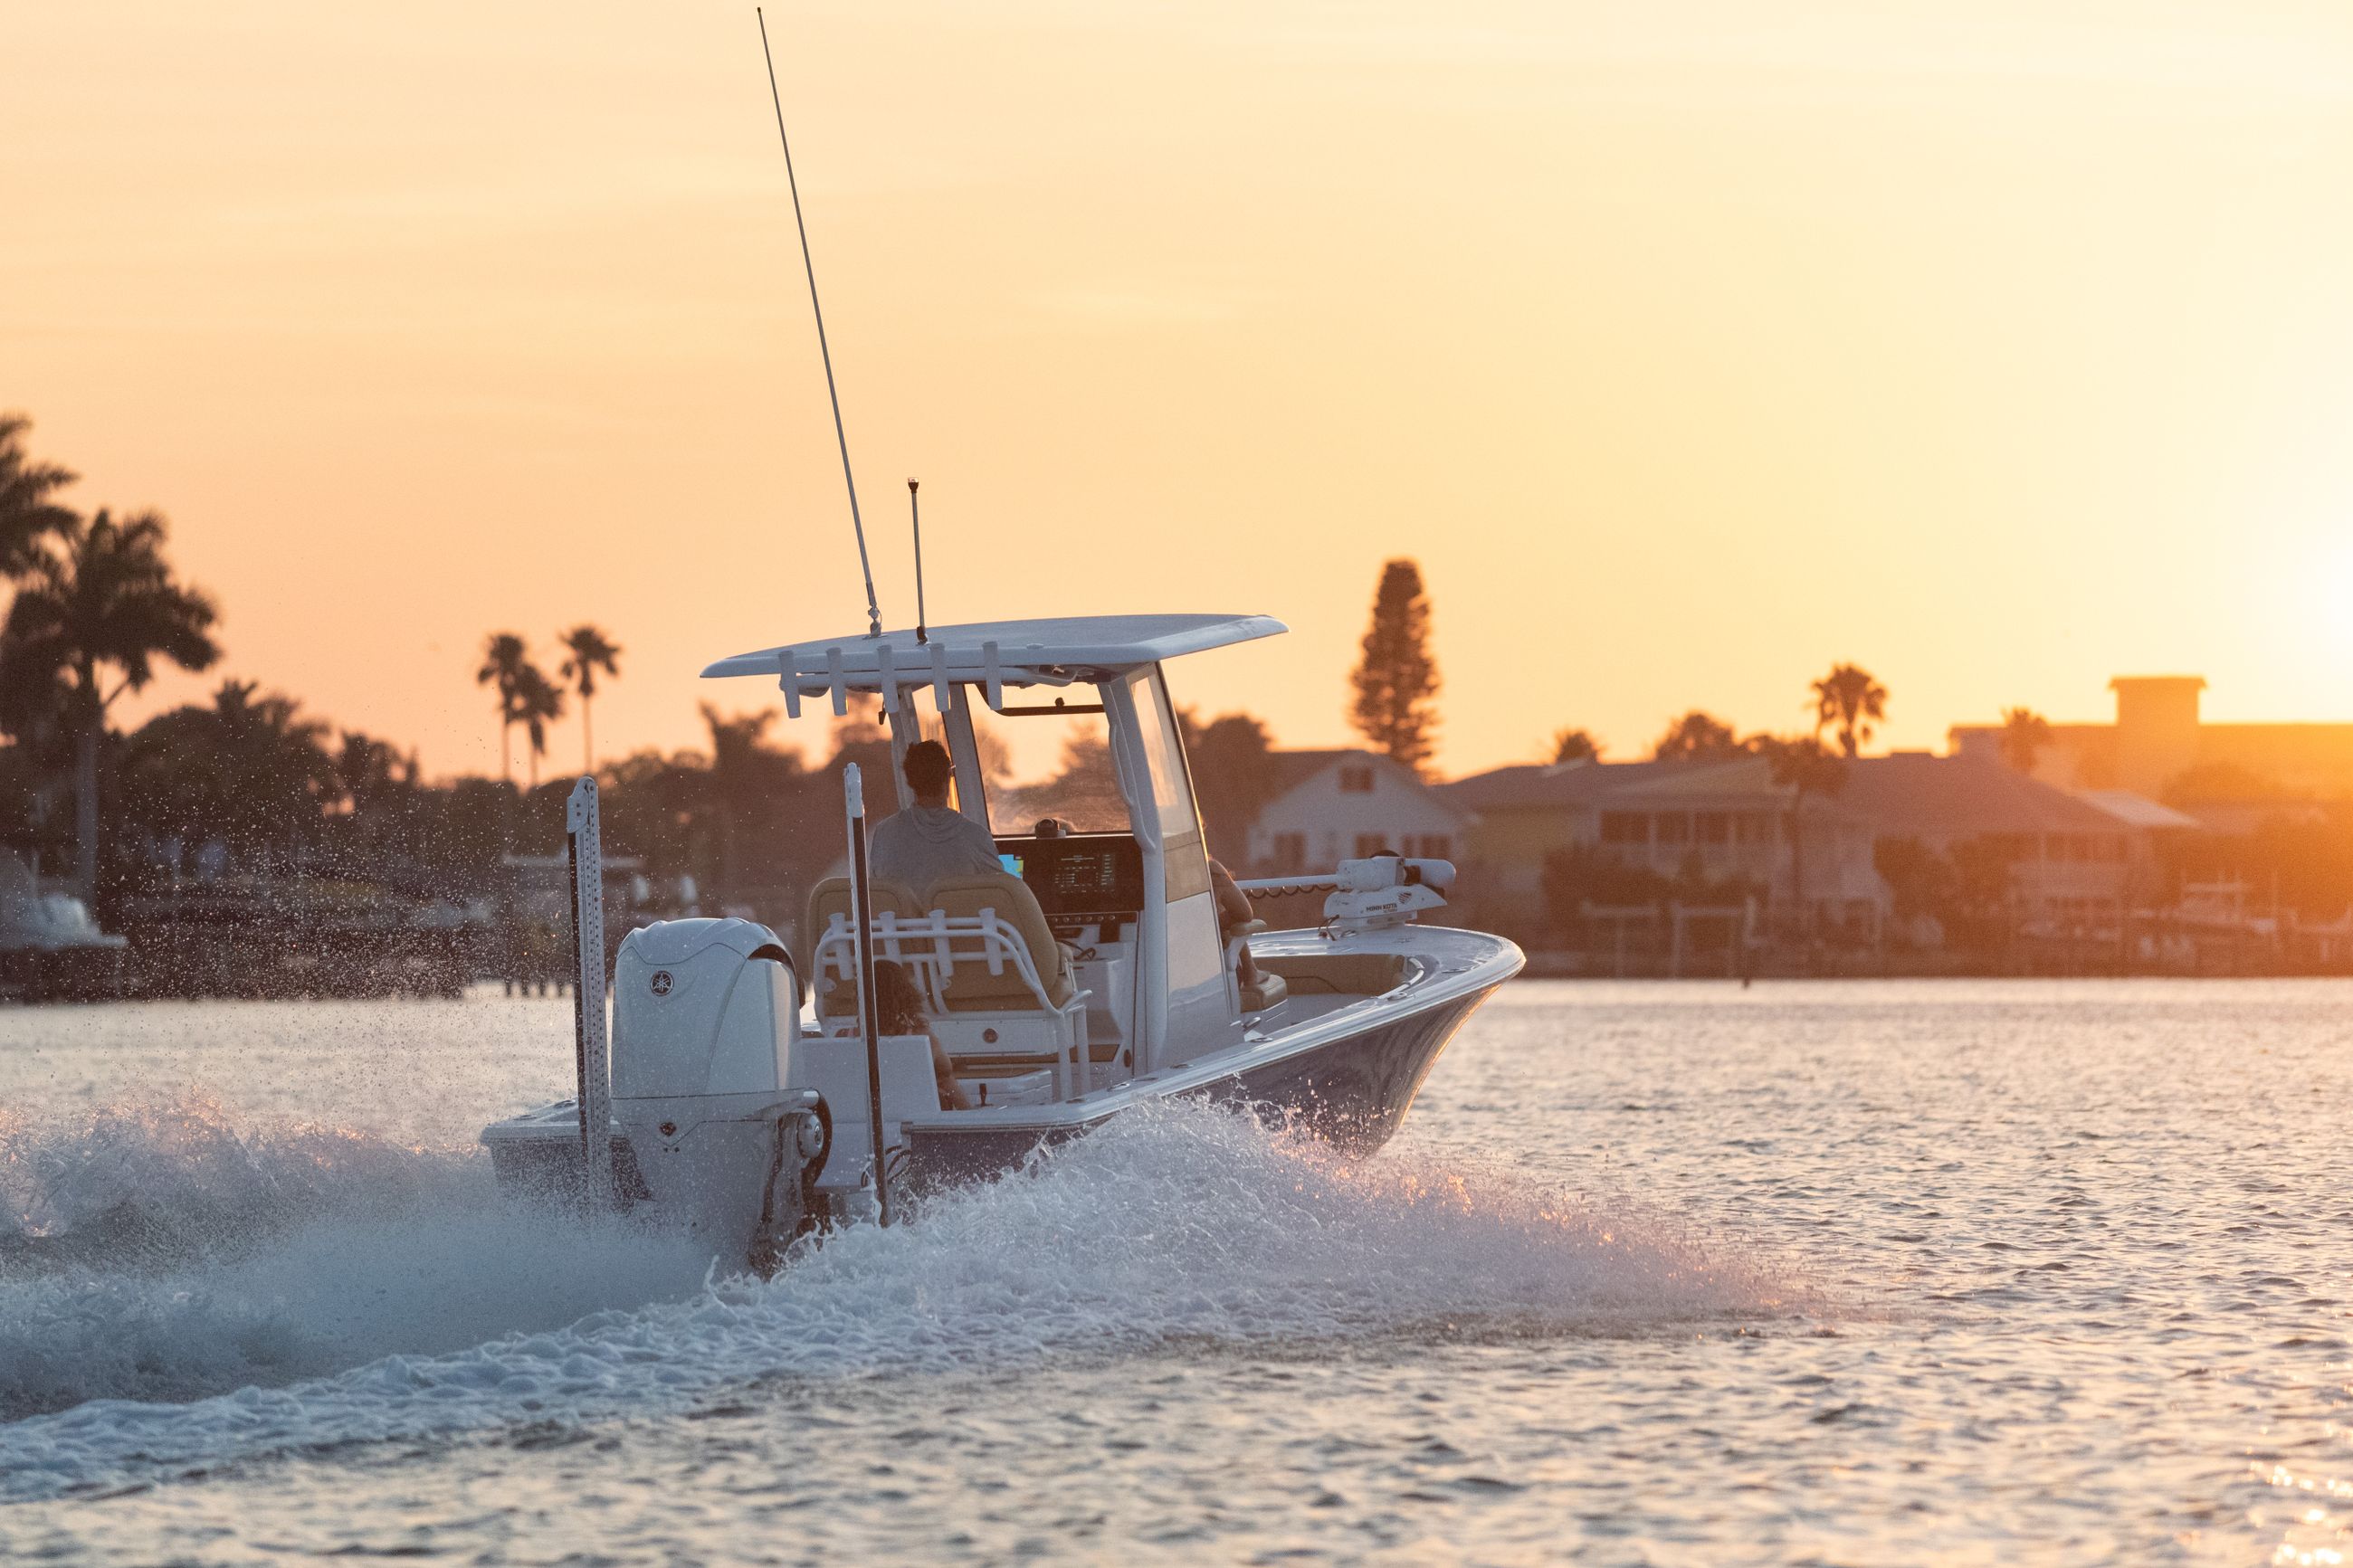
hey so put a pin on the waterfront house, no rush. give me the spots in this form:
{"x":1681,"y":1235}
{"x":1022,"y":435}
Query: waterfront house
{"x":1900,"y":846}
{"x":1341,"y":804}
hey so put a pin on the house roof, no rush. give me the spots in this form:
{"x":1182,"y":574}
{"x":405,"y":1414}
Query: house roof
{"x":2138,"y":810}
{"x":1909,"y":794}
{"x":1547,"y":784}
{"x":1724,"y":779}
{"x":1962,"y":797}
{"x":1293,"y":769}
{"x":1019,"y":653}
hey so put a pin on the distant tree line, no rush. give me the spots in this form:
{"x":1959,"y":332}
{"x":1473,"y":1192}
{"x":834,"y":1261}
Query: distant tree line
{"x":249,"y":782}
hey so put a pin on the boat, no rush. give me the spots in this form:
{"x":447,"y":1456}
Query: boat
{"x":747,"y":1093}
{"x":51,"y":950}
{"x":1088,"y":976}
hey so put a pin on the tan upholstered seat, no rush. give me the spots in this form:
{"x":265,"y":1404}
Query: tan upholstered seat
{"x":972,"y":988}
{"x":1268,"y":989}
{"x":833,"y":896}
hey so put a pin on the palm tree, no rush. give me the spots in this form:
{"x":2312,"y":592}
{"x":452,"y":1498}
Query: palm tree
{"x":1849,"y":698}
{"x":1803,"y":766}
{"x":587,"y":650}
{"x":379,"y":783}
{"x":505,"y":658}
{"x":278,"y":758}
{"x":250,"y":771}
{"x":27,"y":515}
{"x":103,"y":600}
{"x":538,"y":700}
{"x":2024,"y":734}
{"x":738,"y":748}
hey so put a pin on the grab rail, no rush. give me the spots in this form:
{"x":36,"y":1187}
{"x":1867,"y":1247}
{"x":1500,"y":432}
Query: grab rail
{"x":929,"y":947}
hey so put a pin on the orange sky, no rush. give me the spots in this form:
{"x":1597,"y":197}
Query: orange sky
{"x":2000,"y":347}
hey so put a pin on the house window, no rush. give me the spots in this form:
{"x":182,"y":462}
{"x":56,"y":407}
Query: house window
{"x":1290,"y":852}
{"x":1712,"y":828}
{"x":1754,"y":827}
{"x":1428,"y":846}
{"x":1674,"y":827}
{"x":1357,"y":779}
{"x":1625,"y":827}
{"x":1370,"y":844}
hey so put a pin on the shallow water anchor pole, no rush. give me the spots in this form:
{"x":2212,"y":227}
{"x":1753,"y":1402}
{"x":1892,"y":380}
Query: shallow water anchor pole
{"x":853,"y":799}
{"x":591,"y":1055}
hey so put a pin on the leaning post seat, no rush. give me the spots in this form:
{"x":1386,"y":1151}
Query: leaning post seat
{"x":980,"y":982}
{"x":999,"y":987}
{"x":835,"y":983}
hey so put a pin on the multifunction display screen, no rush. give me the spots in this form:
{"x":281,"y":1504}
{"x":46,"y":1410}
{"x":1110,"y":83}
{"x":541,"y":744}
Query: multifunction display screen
{"x":1085,"y":874}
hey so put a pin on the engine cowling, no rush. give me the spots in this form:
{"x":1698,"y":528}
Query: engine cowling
{"x":705,"y":1014}
{"x":702,"y":1007}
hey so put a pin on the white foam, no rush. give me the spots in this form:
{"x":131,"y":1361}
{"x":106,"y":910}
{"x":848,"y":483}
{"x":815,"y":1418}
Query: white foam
{"x":1174,"y":1223}
{"x":160,"y":1254}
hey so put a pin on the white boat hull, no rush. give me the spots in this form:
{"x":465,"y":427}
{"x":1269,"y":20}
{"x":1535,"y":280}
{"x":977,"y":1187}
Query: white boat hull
{"x":1343,"y":1069}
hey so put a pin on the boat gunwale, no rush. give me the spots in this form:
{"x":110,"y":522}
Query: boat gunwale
{"x":1482,"y":974}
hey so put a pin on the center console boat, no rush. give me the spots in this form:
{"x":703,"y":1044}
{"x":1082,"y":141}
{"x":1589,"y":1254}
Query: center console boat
{"x":1088,"y":975}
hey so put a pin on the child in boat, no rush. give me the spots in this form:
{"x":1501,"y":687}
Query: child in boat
{"x":899,"y":1010}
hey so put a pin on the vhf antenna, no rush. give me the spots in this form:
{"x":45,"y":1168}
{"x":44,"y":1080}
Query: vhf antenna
{"x":915,"y":512}
{"x":873,"y":614}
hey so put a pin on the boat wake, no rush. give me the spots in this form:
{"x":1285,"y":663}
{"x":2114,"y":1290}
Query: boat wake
{"x":348,"y":1290}
{"x":162,"y":1254}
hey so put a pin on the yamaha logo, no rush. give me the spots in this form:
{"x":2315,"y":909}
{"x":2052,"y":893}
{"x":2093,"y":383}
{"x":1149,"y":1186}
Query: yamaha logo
{"x":661,"y":982}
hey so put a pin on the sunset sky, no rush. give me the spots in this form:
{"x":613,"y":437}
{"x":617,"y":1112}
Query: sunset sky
{"x":2000,"y":347}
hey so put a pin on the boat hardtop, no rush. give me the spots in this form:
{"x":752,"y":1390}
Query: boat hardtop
{"x":1046,"y":652}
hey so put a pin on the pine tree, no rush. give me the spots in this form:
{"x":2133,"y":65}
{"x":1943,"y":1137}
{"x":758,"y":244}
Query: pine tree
{"x":1396,"y":681}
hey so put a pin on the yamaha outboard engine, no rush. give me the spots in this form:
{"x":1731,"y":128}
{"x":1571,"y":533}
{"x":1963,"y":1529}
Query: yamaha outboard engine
{"x":705,"y":1013}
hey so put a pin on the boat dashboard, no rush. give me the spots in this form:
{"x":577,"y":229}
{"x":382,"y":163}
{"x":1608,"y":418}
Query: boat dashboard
{"x":1087,"y":884}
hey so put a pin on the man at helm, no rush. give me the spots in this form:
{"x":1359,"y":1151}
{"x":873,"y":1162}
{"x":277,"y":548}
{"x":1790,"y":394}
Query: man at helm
{"x":926,"y":842}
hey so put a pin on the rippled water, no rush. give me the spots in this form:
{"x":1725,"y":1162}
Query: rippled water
{"x":1839,"y":1273}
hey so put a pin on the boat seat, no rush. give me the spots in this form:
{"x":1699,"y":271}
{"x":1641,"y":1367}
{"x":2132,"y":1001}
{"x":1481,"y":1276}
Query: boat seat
{"x":1269,"y":991}
{"x":834,"y":897}
{"x":970,"y":987}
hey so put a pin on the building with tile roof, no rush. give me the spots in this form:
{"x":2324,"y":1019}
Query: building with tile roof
{"x":2159,"y":746}
{"x":1727,"y":825}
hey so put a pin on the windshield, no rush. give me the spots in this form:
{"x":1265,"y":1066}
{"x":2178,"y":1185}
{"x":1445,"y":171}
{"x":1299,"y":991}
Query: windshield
{"x":1050,"y":764}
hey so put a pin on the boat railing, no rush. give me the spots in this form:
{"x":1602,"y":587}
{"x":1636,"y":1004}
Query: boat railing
{"x":929,"y":948}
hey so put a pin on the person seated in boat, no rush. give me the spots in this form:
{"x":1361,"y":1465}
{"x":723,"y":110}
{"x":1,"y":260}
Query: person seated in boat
{"x":928,"y":841}
{"x":899,"y":1010}
{"x":1234,"y":911}
{"x":1051,"y":827}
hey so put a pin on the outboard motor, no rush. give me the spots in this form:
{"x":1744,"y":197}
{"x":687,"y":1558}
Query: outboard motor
{"x":705,"y":1013}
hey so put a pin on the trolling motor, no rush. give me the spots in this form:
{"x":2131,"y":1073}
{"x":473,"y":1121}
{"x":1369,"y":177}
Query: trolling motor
{"x":1385,"y":891}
